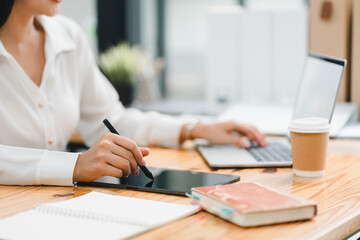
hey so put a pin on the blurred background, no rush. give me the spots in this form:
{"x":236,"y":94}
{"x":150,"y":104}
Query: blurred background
{"x":200,"y":57}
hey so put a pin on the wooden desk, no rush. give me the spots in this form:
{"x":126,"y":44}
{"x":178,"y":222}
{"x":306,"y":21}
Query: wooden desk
{"x":337,"y":195}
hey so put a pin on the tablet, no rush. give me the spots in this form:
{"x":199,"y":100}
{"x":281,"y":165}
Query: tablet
{"x":168,"y":181}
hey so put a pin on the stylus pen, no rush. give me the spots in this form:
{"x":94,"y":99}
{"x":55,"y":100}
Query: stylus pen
{"x":113,"y":130}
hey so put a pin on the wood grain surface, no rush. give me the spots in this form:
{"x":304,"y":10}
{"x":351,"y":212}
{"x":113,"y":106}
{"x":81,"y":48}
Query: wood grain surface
{"x":337,"y":195}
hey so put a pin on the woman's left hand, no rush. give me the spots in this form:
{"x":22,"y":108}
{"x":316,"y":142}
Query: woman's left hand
{"x":231,"y":133}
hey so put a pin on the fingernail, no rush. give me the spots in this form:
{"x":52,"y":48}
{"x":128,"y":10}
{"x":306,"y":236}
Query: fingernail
{"x":143,"y":162}
{"x":246,"y":144}
{"x":137,"y":172}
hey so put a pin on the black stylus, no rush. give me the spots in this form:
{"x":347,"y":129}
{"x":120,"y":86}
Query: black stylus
{"x":113,"y":130}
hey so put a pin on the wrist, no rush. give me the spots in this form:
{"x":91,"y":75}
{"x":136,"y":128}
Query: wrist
{"x":187,"y":132}
{"x":198,"y":130}
{"x":76,"y":169}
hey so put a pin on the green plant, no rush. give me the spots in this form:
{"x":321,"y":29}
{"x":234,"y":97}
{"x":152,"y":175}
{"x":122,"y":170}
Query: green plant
{"x":120,"y":64}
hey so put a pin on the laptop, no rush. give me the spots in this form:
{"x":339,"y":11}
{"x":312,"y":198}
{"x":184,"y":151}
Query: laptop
{"x":316,"y":97}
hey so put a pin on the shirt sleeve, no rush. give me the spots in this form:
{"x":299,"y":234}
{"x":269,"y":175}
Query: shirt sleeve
{"x":29,"y":166}
{"x":100,"y":100}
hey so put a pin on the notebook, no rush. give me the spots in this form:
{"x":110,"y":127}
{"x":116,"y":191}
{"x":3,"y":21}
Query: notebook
{"x":316,"y":97}
{"x":92,"y":216}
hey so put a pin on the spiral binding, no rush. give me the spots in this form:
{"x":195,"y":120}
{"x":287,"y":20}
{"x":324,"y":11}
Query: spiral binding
{"x":41,"y":208}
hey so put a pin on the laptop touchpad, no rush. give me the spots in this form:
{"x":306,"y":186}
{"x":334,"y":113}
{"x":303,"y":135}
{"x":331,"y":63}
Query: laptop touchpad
{"x":225,"y":155}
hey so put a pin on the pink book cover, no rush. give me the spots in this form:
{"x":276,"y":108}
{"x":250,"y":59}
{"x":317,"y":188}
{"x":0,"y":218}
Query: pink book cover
{"x":252,"y":197}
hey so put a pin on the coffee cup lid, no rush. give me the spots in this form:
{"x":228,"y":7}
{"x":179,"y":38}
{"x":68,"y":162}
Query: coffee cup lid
{"x":309,"y":125}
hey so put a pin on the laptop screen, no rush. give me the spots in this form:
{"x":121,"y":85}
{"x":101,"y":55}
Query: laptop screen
{"x":319,"y":87}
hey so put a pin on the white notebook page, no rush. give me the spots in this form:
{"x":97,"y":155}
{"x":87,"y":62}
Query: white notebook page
{"x":117,"y":218}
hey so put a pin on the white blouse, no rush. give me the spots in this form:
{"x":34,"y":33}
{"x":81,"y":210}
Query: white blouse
{"x":37,"y":122}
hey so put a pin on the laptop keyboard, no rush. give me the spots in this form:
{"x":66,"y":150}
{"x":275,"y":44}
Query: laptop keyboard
{"x":273,"y":152}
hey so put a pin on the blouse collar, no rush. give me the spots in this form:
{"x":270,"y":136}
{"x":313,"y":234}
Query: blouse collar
{"x":56,"y":37}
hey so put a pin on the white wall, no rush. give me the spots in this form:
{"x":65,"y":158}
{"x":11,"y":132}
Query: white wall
{"x":148,"y":27}
{"x":255,"y":56}
{"x":84,"y":13}
{"x":186,"y":45}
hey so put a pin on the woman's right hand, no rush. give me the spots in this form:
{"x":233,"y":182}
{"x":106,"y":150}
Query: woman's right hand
{"x":112,"y":155}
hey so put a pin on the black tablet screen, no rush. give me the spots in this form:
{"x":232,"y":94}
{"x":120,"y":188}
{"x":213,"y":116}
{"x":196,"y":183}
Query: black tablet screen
{"x":169,"y":181}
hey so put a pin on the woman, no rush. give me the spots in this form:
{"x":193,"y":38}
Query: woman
{"x":52,"y":87}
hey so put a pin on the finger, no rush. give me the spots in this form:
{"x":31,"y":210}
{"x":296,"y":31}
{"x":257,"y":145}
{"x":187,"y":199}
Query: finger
{"x":144,"y":151}
{"x":240,"y":142}
{"x":260,"y":138}
{"x":110,"y":170}
{"x":252,"y":133}
{"x":131,"y":146}
{"x":123,"y":153}
{"x":255,"y":138}
{"x":110,"y":145}
{"x":120,"y":163}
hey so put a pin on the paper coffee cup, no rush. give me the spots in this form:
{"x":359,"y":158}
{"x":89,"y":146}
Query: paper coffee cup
{"x":309,"y":141}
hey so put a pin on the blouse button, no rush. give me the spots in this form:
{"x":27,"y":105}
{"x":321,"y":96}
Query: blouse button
{"x":40,"y":105}
{"x":50,"y":141}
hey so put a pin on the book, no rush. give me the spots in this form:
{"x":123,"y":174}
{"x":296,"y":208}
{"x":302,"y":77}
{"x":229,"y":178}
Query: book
{"x":251,"y":204}
{"x":92,"y":216}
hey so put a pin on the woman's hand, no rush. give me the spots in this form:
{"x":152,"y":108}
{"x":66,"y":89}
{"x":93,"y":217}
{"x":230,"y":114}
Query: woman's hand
{"x":112,"y":155}
{"x":230,"y":132}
